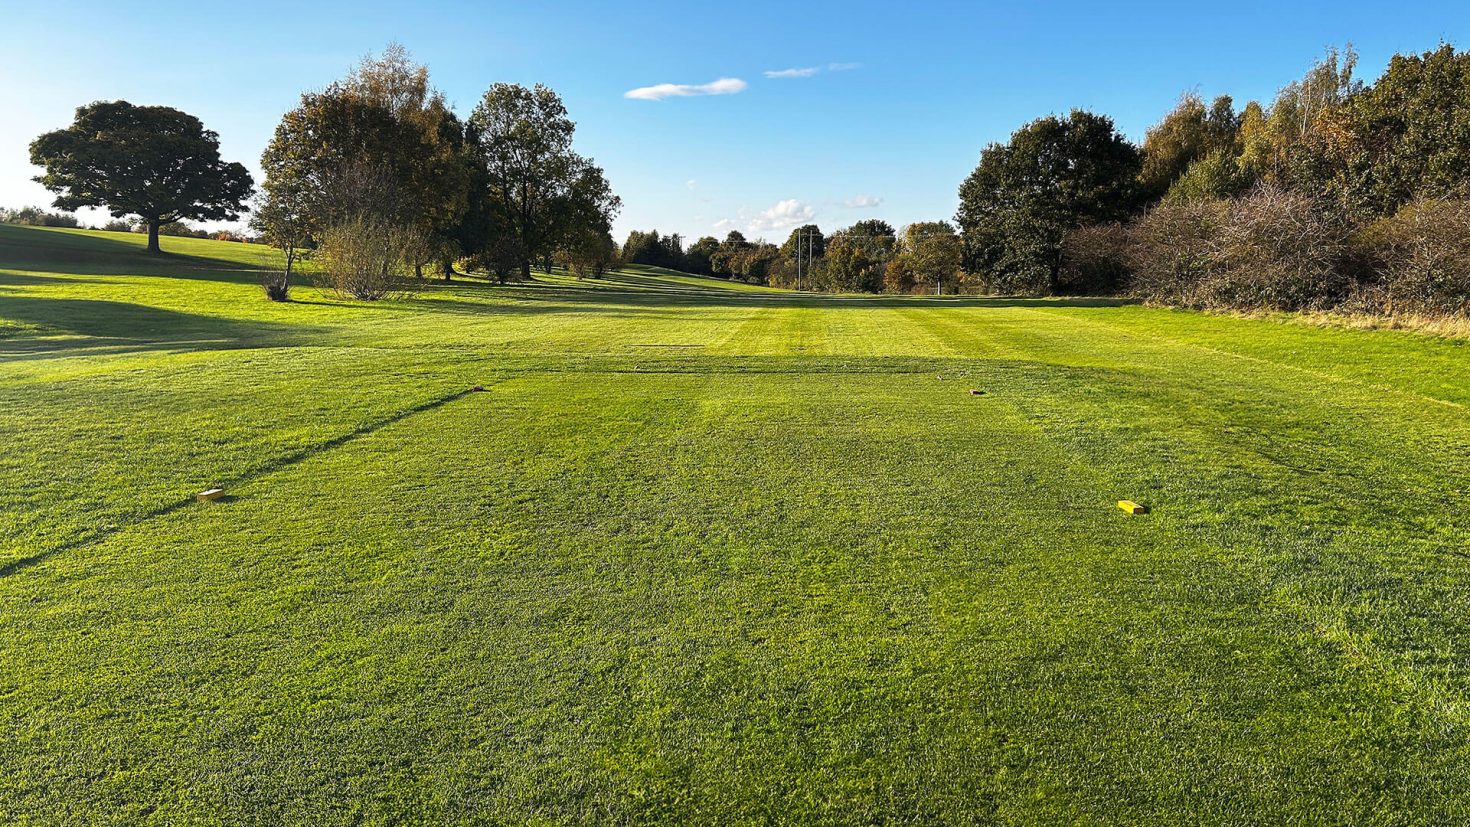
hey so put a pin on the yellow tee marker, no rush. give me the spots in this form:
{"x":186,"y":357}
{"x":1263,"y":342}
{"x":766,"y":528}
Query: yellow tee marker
{"x":1132,"y":507}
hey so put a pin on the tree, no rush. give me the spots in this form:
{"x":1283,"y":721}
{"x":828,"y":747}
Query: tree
{"x":590,"y":253}
{"x":1188,"y":133}
{"x":933,"y":253}
{"x":697,"y":257}
{"x":154,"y":162}
{"x":1403,"y":137}
{"x":1054,"y":174}
{"x":1217,"y":175}
{"x":384,"y":119}
{"x":724,"y":260}
{"x":282,"y":225}
{"x":857,"y":257}
{"x":539,"y":189}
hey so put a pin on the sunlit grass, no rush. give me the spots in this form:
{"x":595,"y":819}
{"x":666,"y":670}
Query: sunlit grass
{"x":707,"y":555}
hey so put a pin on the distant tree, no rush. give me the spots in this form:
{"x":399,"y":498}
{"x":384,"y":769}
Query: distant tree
{"x":724,"y":261}
{"x":808,"y":240}
{"x":539,"y":189}
{"x":1217,"y":175}
{"x":154,"y":162}
{"x":697,"y":257}
{"x":857,"y":257}
{"x":590,"y":253}
{"x":37,"y":217}
{"x":899,"y":275}
{"x":934,"y":253}
{"x":653,"y":249}
{"x":281,"y":224}
{"x":1054,"y":174}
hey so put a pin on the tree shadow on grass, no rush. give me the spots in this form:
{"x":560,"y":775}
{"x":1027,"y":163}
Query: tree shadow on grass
{"x":43,"y":251}
{"x":124,"y":326}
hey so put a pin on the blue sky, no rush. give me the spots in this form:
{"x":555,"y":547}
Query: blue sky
{"x":898,"y":103}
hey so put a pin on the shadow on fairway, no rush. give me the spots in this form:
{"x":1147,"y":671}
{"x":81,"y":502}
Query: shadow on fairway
{"x":277,"y":464}
{"x":29,"y":248}
{"x":121,"y":325}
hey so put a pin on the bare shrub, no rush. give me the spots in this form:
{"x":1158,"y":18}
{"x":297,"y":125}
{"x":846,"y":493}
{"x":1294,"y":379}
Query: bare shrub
{"x":1173,"y":250}
{"x":370,"y":251}
{"x":1279,"y":250}
{"x":1421,"y":256}
{"x":363,"y":258}
{"x":1094,"y":259}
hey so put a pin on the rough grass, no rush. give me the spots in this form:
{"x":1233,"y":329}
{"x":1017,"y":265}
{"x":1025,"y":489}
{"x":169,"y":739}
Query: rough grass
{"x":700,"y":555}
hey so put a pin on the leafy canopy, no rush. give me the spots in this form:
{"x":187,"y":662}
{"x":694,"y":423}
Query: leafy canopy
{"x":154,"y":162}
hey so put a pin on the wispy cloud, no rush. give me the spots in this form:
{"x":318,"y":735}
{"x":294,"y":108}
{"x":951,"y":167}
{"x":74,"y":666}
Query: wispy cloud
{"x":657,"y":92}
{"x":862,"y":201}
{"x":691,"y":184}
{"x":808,"y":71}
{"x":800,"y":72}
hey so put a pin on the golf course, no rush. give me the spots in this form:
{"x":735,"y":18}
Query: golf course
{"x":662,"y":548}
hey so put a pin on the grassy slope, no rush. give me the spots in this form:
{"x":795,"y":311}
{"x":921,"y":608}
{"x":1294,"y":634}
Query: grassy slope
{"x":708,"y":555}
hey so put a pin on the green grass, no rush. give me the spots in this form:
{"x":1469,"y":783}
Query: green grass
{"x":713,"y":555}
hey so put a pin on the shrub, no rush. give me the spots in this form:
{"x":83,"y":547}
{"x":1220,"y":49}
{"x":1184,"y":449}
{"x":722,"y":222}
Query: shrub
{"x":1421,"y":257}
{"x":364,"y":258}
{"x":1094,"y":259}
{"x":1173,"y":250}
{"x":1279,"y":250}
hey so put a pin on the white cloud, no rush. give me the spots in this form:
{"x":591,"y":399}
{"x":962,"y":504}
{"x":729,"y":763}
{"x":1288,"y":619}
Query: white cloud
{"x":862,"y":201}
{"x":785,"y":214}
{"x":801,"y":72}
{"x":843,"y":67}
{"x":691,"y":184}
{"x":657,"y":92}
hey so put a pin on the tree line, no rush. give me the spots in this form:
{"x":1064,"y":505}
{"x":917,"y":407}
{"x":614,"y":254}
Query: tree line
{"x":1338,"y":195}
{"x":374,"y":177}
{"x":868,"y":256}
{"x":1335,"y":195}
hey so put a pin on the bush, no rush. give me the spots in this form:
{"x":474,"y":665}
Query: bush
{"x":118,"y":225}
{"x":364,"y":258}
{"x":1280,"y":250}
{"x":1421,"y":257}
{"x":1173,"y":250}
{"x":1094,"y":259}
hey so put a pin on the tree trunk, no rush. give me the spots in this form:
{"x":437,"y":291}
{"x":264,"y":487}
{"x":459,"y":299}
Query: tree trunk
{"x":526,"y":269}
{"x":448,"y":270}
{"x":153,"y":225}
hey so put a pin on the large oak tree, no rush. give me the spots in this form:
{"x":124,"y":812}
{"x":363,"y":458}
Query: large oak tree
{"x":154,"y":162}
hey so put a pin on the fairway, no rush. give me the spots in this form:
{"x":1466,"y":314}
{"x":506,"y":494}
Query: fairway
{"x":702,"y":553}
